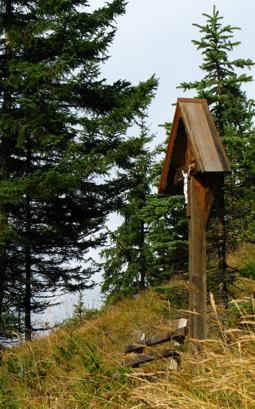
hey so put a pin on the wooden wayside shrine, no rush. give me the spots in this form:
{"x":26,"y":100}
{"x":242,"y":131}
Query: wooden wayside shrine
{"x":195,"y":153}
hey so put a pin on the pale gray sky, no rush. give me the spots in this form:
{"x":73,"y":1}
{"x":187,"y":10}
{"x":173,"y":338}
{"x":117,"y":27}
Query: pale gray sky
{"x":154,"y":37}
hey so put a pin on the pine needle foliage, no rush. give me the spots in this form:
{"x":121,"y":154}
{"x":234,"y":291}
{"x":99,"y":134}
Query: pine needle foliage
{"x":62,"y":132}
{"x":150,"y":245}
{"x":128,"y":260}
{"x":222,"y":85}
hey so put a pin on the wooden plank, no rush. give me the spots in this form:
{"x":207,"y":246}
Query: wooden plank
{"x":169,"y":154}
{"x":177,"y":335}
{"x":217,"y":140}
{"x":201,"y":138}
{"x":142,"y":359}
{"x":137,"y":348}
{"x":200,"y":202}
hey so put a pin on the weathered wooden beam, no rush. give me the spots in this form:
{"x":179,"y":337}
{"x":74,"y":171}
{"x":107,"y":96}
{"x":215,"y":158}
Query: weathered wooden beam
{"x":138,"y":349}
{"x":200,"y":202}
{"x":180,"y":333}
{"x":177,"y":335}
{"x":142,"y":359}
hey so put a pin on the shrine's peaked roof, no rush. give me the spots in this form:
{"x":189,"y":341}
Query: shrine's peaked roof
{"x":193,"y":137}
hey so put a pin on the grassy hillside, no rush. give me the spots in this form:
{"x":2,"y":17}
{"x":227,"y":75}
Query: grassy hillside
{"x":82,"y":364}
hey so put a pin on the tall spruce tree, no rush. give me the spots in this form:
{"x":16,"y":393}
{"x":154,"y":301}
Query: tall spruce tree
{"x":165,"y":217}
{"x":127,"y":261}
{"x":222,"y":86}
{"x":150,"y":245}
{"x":62,"y":132}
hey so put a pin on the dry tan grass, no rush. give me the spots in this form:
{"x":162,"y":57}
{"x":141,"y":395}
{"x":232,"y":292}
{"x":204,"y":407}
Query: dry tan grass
{"x":219,"y":375}
{"x":244,"y":254}
{"x":81,"y":367}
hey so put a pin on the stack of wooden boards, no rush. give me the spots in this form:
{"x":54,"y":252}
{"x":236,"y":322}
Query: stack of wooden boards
{"x":177,"y":333}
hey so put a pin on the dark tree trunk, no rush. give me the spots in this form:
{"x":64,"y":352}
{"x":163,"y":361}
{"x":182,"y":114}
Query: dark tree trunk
{"x":28,"y":260}
{"x":6,"y":106}
{"x":28,"y":294}
{"x":143,"y":261}
{"x":222,"y":245}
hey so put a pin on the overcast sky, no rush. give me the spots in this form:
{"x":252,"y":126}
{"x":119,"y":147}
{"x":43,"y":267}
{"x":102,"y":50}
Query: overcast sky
{"x":154,"y":37}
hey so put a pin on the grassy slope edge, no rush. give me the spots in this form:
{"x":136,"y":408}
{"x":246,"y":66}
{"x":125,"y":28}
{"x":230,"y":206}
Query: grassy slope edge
{"x":81,"y":365}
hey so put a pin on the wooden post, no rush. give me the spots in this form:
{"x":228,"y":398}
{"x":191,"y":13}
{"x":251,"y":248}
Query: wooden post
{"x":200,"y":203}
{"x":195,"y":147}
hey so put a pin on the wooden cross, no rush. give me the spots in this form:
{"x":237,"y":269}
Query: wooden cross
{"x":195,"y":148}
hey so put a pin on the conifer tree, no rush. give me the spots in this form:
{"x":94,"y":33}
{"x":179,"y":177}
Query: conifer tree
{"x":167,"y":234}
{"x":167,"y":230}
{"x":222,"y":86}
{"x":150,"y":245}
{"x":62,"y":132}
{"x":128,"y":259}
